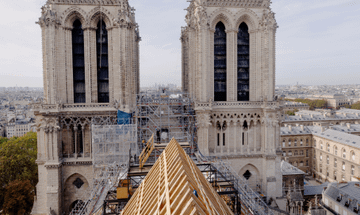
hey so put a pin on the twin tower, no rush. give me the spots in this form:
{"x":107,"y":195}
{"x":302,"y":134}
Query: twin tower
{"x":91,"y":70}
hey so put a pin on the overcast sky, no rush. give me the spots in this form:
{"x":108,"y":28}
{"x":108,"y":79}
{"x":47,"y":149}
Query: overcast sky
{"x":318,"y":41}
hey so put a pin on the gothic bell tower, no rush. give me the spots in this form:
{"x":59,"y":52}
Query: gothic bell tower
{"x":91,"y":70}
{"x":228,"y":68}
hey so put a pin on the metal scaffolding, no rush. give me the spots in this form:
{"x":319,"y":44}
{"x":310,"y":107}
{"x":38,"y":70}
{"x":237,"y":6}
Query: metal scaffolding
{"x":251,"y":201}
{"x":112,"y":144}
{"x":166,"y":115}
{"x":106,"y":180}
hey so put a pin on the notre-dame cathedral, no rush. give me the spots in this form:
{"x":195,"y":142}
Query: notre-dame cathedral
{"x":91,"y":70}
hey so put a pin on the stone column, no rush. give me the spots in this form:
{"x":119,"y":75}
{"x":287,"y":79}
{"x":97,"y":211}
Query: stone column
{"x":203,"y":132}
{"x":231,"y":58}
{"x":93,"y":64}
{"x":69,"y":66}
{"x":83,"y":139}
{"x":235,"y":140}
{"x":211,"y":71}
{"x":241,"y":137}
{"x":87,"y":62}
{"x":76,"y":143}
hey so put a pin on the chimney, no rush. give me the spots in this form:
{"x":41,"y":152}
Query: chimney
{"x":290,"y":128}
{"x":312,"y":115}
{"x":348,"y":125}
{"x":302,"y":127}
{"x":323,"y":129}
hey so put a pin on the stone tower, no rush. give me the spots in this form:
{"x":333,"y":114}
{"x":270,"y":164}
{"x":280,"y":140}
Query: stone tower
{"x":91,"y":70}
{"x":228,"y":68}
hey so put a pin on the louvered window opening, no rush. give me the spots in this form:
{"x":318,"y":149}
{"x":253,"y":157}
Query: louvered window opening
{"x":220,"y":62}
{"x":102,"y":63}
{"x":243,"y":63}
{"x":78,"y":62}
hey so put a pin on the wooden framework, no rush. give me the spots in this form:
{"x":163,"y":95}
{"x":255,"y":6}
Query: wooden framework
{"x":175,"y":185}
{"x":145,"y":154}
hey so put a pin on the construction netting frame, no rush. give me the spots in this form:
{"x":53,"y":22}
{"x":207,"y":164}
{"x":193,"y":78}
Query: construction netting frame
{"x":113,"y":144}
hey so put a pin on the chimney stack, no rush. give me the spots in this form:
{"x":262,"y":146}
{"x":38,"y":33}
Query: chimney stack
{"x":302,"y":127}
{"x":323,"y":128}
{"x":348,"y":125}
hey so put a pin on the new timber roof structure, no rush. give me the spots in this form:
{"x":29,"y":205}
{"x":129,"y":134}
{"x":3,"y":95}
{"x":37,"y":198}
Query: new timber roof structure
{"x":175,"y":185}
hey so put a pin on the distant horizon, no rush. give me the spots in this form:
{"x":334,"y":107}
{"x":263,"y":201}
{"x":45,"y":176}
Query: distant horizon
{"x":278,"y":85}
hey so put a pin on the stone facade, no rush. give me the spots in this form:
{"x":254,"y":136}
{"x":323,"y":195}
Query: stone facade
{"x":328,"y":153}
{"x":245,"y":131}
{"x":64,"y":123}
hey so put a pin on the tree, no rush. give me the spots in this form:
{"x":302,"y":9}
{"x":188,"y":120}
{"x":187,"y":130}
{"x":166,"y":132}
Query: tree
{"x":3,"y":140}
{"x":19,"y":198}
{"x":356,"y":106}
{"x":17,"y":162}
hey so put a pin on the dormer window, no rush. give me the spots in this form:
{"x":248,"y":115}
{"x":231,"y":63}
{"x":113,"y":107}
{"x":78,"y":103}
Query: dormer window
{"x":339,"y":198}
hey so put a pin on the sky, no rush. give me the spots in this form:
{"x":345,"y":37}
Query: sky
{"x":317,"y":43}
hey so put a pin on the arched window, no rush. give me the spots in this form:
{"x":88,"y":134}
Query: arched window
{"x":328,"y":147}
{"x":335,"y":150}
{"x":353,"y":156}
{"x":327,"y":159}
{"x":352,"y":170}
{"x":307,"y":153}
{"x":295,"y":142}
{"x":283,"y":143}
{"x":220,"y":62}
{"x":102,"y":63}
{"x":295,"y":153}
{"x":344,"y":153}
{"x":301,"y":142}
{"x":301,"y":152}
{"x":243,"y":63}
{"x":78,"y":62}
{"x":343,"y":166}
{"x":289,"y":142}
{"x":320,"y":156}
{"x":321,"y":145}
{"x":335,"y":162}
{"x":314,"y":143}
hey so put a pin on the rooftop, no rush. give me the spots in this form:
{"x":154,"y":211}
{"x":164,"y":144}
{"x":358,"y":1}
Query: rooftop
{"x":341,"y":137}
{"x":343,"y":192}
{"x":288,"y":169}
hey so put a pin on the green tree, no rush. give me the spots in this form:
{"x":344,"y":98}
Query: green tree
{"x":19,"y":198}
{"x":2,"y":140}
{"x":17,"y":162}
{"x":356,"y":106}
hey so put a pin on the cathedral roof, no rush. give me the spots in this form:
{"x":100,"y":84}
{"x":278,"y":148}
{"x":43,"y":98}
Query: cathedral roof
{"x":175,"y":185}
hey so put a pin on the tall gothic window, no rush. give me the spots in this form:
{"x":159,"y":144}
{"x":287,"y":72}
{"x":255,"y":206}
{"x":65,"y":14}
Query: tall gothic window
{"x":78,"y":62}
{"x":243,"y":63}
{"x":102,"y":63}
{"x":220,"y":62}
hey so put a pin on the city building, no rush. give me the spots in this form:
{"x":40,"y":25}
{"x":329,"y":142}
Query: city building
{"x":333,"y":100}
{"x":328,"y":153}
{"x":296,"y":144}
{"x":342,"y":198}
{"x":91,"y":70}
{"x":228,"y":69}
{"x":336,"y":156}
{"x":294,"y":106}
{"x":18,"y":128}
{"x":331,"y":117}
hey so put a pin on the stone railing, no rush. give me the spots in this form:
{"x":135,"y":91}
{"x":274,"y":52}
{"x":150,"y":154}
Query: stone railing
{"x":215,"y":105}
{"x":67,"y":107}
